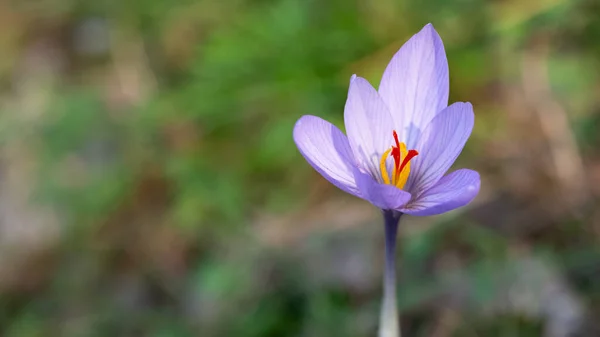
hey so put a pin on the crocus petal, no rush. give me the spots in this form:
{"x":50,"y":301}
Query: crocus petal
{"x":415,"y":84}
{"x":368,"y":125}
{"x":381,"y":195}
{"x":452,"y":191}
{"x":327,"y":150}
{"x":439,"y":146}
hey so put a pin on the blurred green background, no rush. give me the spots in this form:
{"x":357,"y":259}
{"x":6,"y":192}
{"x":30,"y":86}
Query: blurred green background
{"x":150,"y":186}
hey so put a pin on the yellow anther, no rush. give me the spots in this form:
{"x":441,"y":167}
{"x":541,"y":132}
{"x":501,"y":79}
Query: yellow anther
{"x":383,"y":167}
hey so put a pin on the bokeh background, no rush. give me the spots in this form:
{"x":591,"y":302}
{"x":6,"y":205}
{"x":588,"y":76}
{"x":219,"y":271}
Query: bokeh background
{"x":149,"y":184}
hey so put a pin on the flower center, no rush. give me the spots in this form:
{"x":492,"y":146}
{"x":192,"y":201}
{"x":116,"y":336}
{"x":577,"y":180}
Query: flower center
{"x":402,"y":158}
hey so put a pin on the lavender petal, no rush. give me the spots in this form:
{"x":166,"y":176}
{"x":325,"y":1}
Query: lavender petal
{"x":368,"y":125}
{"x":455,"y":190}
{"x":387,"y":197}
{"x":415,"y":84}
{"x":327,"y":150}
{"x":439,"y":146}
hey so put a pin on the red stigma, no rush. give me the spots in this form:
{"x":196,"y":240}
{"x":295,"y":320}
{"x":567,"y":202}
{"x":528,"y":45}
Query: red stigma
{"x":410,"y":155}
{"x":396,"y":138}
{"x":396,"y":151}
{"x":401,"y":156}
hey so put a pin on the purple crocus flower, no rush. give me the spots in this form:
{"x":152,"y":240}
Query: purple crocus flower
{"x":401,"y":138}
{"x":401,"y":141}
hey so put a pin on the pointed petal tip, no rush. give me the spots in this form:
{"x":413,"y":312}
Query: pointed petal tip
{"x":468,"y":105}
{"x":430,"y":30}
{"x":465,"y":107}
{"x":475,"y":185}
{"x":477,"y":181}
{"x":299,"y":124}
{"x":358,"y":80}
{"x":300,"y":128}
{"x":305,"y":125}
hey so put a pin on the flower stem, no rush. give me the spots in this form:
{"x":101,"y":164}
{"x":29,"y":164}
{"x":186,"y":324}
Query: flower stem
{"x":388,"y":321}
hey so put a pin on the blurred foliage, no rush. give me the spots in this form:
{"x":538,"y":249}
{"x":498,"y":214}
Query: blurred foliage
{"x":159,"y":133}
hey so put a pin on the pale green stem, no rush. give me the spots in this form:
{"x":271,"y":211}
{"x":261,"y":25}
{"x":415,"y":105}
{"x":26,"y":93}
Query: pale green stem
{"x":388,"y":321}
